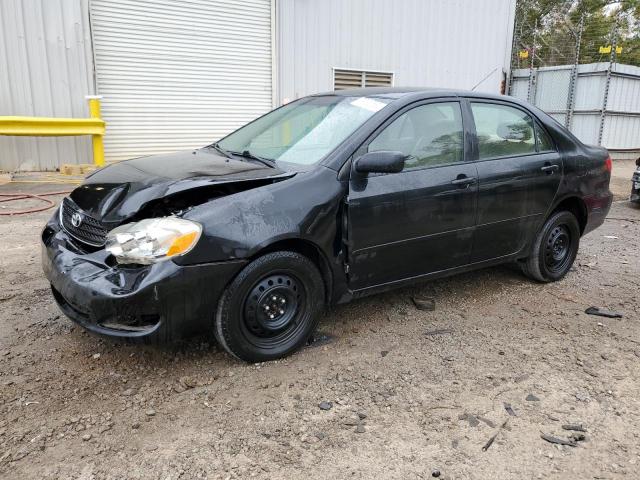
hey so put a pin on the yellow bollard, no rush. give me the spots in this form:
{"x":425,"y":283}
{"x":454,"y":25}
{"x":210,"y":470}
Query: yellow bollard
{"x":98,"y":144}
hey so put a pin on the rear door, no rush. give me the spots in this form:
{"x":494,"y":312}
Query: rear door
{"x":519,"y":172}
{"x":420,"y":220}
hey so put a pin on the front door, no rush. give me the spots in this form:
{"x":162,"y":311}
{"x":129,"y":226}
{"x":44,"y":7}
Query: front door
{"x":421,"y":220}
{"x":519,"y":172}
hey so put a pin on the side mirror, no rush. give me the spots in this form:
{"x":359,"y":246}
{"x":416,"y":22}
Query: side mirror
{"x":380,"y":162}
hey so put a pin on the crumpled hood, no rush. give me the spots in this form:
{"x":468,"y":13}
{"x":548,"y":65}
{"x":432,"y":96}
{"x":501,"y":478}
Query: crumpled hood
{"x":118,"y":191}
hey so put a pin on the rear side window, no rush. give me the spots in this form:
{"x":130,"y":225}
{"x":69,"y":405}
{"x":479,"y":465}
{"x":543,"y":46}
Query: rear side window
{"x":545,"y":144}
{"x":429,"y":135}
{"x":503,"y":130}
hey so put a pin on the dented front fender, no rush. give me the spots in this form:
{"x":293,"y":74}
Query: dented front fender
{"x":239,"y":226}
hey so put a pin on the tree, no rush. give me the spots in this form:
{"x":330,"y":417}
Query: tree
{"x":548,"y":30}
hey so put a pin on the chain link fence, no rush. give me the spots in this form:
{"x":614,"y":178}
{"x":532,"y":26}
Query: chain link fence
{"x":572,"y":73}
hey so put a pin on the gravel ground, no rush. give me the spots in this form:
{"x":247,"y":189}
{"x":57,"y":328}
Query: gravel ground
{"x":388,"y":391}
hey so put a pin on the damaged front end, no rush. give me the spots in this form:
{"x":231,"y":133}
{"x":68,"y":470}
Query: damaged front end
{"x":114,"y":292}
{"x":159,"y":301}
{"x":90,"y":225}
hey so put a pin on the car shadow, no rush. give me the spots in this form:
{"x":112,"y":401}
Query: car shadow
{"x":480,"y":282}
{"x":339,"y":322}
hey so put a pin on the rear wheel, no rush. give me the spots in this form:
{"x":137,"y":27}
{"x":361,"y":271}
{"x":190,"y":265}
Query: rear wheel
{"x":271,"y":308}
{"x":554,"y":249}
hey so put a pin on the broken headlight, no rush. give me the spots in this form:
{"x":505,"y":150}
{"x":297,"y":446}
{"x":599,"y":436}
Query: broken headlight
{"x":152,"y":240}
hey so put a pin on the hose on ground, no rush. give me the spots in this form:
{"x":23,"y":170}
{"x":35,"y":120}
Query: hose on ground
{"x":10,"y":197}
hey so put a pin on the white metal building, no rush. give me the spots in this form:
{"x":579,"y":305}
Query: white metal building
{"x":178,"y":74}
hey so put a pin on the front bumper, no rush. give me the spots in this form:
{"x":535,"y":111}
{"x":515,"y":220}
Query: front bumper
{"x":158,"y":303}
{"x":635,"y":187}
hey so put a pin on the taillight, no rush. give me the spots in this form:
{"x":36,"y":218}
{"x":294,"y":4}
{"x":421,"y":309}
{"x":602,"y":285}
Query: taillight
{"x":608,"y":164}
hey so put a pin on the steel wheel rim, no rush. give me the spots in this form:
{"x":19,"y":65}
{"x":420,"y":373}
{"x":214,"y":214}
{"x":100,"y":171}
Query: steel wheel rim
{"x":273,"y":310}
{"x":557,"y":252}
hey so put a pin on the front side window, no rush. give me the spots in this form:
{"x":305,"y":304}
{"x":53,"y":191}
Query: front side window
{"x":305,"y":131}
{"x":428,"y":135}
{"x":502,"y":130}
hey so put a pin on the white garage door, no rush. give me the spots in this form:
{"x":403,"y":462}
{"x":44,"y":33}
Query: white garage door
{"x":178,"y":74}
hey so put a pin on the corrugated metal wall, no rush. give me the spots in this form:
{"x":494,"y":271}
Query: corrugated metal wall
{"x":46,"y":61}
{"x":45,"y":70}
{"x":440,"y":43}
{"x":550,"y":89}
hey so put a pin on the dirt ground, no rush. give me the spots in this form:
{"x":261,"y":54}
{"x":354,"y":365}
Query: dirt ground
{"x":410,"y":391}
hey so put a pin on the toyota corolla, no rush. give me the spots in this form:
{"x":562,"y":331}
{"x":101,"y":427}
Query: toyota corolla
{"x":326,"y":199}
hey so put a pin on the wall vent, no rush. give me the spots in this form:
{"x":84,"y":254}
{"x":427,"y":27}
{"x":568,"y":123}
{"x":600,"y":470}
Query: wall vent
{"x":343,"y":79}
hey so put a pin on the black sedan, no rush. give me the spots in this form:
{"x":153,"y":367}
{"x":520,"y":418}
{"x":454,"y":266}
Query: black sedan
{"x":326,"y":199}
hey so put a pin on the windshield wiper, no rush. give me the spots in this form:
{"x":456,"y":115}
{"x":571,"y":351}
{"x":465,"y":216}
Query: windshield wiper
{"x":218,"y":148}
{"x":247,"y":154}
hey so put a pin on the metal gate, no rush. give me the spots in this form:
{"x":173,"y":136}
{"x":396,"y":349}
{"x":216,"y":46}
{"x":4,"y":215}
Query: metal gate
{"x":599,"y":101}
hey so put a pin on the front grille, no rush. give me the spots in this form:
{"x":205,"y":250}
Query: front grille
{"x":90,"y":231}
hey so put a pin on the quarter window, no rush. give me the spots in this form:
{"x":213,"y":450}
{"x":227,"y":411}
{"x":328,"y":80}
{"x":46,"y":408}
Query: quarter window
{"x":429,"y":135}
{"x":545,"y":144}
{"x":502,"y":131}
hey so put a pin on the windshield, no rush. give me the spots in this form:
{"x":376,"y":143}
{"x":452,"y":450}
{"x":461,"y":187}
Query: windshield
{"x":304,"y":131}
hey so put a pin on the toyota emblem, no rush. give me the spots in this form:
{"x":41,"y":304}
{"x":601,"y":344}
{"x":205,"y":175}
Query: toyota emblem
{"x":76,"y":220}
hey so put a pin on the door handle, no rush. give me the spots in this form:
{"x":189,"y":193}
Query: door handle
{"x":464,"y":181}
{"x":549,"y":169}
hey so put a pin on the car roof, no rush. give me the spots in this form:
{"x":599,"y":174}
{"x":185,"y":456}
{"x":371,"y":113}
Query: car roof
{"x":399,"y":97}
{"x":395,"y":93}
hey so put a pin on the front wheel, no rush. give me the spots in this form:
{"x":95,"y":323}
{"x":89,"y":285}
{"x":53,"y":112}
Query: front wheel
{"x":271,"y":308}
{"x":554,"y":249}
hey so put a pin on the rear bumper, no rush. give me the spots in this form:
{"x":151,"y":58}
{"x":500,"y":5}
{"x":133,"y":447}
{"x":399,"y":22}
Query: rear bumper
{"x":155,"y":303}
{"x":598,"y":207}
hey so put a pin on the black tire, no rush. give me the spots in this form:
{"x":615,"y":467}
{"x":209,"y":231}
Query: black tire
{"x":554,"y":249}
{"x":271,"y":308}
